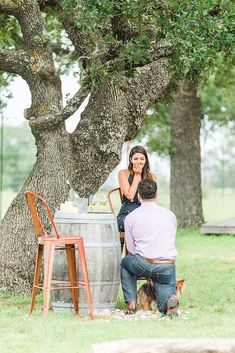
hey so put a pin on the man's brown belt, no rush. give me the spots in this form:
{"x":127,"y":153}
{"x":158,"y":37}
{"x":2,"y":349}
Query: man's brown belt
{"x":152,"y":261}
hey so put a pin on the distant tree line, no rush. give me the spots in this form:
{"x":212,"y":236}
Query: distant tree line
{"x":18,"y":156}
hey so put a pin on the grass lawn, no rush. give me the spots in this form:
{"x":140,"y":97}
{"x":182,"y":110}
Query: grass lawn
{"x":218,"y":204}
{"x":207,"y":307}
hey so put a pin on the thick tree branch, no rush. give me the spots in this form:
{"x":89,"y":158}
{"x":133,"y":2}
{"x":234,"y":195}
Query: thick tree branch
{"x":44,"y":3}
{"x":57,"y":49}
{"x":32,"y":27}
{"x":74,"y":103}
{"x":78,"y":37}
{"x":150,"y":80}
{"x":35,"y":64}
{"x":148,"y":84}
{"x":13,"y":61}
{"x":9,"y":6}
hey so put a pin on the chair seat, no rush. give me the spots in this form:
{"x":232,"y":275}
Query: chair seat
{"x":64,"y":239}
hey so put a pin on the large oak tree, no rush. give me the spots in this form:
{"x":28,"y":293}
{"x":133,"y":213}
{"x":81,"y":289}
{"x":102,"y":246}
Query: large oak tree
{"x":123,"y":50}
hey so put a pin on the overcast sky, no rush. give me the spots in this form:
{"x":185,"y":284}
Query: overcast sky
{"x":21,"y":99}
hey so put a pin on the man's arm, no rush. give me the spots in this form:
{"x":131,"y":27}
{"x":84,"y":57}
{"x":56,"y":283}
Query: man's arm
{"x":130,"y":244}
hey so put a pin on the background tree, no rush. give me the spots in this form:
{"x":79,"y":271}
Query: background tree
{"x":123,"y":51}
{"x":185,"y":157}
{"x":218,"y":124}
{"x":174,"y":129}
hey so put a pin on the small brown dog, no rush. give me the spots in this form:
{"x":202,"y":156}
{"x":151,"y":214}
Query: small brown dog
{"x":147,"y":294}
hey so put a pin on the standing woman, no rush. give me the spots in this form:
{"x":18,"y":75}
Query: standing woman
{"x":129,"y":179}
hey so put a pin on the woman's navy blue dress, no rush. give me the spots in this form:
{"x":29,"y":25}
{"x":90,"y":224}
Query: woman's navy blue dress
{"x":127,"y":207}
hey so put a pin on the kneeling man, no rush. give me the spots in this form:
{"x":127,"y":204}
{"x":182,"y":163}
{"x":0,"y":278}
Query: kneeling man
{"x":150,"y":233}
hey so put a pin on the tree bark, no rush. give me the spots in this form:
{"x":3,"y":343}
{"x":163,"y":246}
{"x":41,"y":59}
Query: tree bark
{"x":185,"y":184}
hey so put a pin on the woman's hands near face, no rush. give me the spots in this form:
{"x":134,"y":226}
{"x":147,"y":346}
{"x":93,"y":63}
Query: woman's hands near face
{"x":137,"y":168}
{"x":138,"y":161}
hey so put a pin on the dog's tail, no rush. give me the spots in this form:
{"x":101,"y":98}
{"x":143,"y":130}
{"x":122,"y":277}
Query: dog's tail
{"x":180,"y":285}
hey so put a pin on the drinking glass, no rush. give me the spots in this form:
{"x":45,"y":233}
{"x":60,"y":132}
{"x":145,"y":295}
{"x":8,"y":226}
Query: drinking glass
{"x":82,"y":204}
{"x":103,"y":202}
{"x":93,"y":201}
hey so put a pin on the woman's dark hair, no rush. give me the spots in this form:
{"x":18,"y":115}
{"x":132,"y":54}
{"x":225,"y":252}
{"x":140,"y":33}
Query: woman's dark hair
{"x":146,"y":169}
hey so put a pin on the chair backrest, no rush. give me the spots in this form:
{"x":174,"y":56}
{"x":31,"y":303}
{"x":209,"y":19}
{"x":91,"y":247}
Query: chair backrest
{"x":40,"y":230}
{"x":110,"y":199}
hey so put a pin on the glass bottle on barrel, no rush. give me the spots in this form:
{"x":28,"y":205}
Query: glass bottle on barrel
{"x":103,"y":202}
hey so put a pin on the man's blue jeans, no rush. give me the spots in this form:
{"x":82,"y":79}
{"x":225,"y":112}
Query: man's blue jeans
{"x":163,"y":276}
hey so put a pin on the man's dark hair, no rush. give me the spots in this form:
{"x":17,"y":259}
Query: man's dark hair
{"x":147,"y":189}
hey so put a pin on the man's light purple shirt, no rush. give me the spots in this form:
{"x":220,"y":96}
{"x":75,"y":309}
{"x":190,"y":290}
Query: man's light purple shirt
{"x":150,"y":231}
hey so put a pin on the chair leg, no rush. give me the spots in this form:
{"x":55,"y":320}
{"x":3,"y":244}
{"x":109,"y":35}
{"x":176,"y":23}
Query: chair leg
{"x":81,"y":251}
{"x":48,"y":266}
{"x":71,"y":259}
{"x":36,"y":276}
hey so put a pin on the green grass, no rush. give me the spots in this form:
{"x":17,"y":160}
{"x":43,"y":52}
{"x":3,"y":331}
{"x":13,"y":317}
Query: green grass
{"x":219,"y":204}
{"x":207,"y":307}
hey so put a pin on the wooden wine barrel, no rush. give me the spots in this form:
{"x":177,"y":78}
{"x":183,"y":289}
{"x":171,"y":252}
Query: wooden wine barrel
{"x":103,"y":254}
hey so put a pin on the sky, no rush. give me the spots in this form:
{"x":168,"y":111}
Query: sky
{"x":21,"y":100}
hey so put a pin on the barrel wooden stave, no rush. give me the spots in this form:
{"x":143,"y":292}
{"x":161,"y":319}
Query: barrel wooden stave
{"x":103,"y":254}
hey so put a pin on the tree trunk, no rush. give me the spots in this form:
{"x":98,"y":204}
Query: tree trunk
{"x":185,"y":186}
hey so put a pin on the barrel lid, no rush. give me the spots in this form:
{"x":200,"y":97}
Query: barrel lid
{"x":93,"y":217}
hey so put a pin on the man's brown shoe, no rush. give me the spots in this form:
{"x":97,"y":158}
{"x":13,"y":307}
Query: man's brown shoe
{"x":130,"y":307}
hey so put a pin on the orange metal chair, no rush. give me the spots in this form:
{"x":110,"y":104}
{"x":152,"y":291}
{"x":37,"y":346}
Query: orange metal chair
{"x":47,"y":244}
{"x":122,"y":234}
{"x":110,"y":199}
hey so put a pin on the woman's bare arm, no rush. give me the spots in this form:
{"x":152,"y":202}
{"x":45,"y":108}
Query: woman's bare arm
{"x":127,"y":189}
